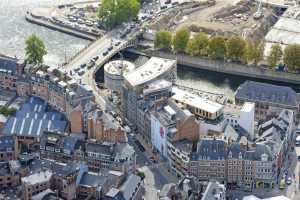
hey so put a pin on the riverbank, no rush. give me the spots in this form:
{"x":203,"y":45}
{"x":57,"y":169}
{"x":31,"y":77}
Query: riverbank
{"x":50,"y":25}
{"x":229,"y":67}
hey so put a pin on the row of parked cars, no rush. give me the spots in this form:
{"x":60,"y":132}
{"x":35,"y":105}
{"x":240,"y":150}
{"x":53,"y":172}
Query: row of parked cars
{"x":111,"y":48}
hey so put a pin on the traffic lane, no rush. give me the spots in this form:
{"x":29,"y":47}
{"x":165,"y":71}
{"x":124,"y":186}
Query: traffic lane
{"x":142,"y":158}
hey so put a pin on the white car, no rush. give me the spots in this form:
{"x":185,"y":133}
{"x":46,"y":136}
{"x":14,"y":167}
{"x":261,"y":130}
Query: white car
{"x":289,"y":181}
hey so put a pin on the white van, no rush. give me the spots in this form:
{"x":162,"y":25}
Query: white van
{"x":297,"y":141}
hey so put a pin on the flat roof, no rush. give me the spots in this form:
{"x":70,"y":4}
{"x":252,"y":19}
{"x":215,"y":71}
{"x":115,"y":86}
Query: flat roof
{"x":287,"y":29}
{"x":196,"y":101}
{"x":279,"y":3}
{"x":38,"y":177}
{"x":152,"y":69}
{"x":117,"y":67}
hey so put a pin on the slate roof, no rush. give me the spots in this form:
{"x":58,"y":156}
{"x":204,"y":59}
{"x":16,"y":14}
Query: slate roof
{"x":33,"y":119}
{"x":92,"y":180}
{"x":6,"y":143}
{"x":264,"y":92}
{"x":104,"y":148}
{"x":128,"y":188}
{"x":8,"y":65}
{"x":210,"y":149}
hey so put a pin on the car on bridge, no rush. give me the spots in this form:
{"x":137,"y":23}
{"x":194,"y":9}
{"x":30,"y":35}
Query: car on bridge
{"x":105,"y":53}
{"x":110,"y":48}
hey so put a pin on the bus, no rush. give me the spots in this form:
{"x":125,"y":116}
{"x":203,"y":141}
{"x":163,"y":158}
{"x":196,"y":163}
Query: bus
{"x":282,"y":184}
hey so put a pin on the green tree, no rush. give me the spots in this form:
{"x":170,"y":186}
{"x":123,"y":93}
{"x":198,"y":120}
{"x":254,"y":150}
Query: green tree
{"x":258,"y":52}
{"x":163,"y":40}
{"x":291,"y":57}
{"x":217,"y":47}
{"x":141,"y":174}
{"x":249,"y":53}
{"x":115,"y":12}
{"x":35,"y":50}
{"x":275,"y":55}
{"x":197,"y":46}
{"x":181,"y":39}
{"x":235,"y":48}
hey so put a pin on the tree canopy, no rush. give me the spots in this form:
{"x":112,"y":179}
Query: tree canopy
{"x":235,"y":47}
{"x":217,"y":47}
{"x":115,"y":12}
{"x":275,"y":55}
{"x":197,"y":46}
{"x":291,"y":57}
{"x":35,"y":50}
{"x":180,"y":40}
{"x":163,"y":40}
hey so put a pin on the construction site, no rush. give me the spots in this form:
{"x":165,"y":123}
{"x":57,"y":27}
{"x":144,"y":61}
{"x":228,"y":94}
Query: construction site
{"x":227,"y":17}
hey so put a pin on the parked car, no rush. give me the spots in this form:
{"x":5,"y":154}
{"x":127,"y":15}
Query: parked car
{"x":117,"y":43}
{"x":83,"y":65}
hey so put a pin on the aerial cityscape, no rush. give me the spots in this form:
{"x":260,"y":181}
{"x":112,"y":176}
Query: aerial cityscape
{"x":150,"y":100}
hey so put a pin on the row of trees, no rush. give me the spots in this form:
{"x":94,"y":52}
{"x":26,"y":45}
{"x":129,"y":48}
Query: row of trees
{"x":219,"y":47}
{"x":115,"y":12}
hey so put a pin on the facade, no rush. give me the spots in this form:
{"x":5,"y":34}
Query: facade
{"x":103,"y":127}
{"x":97,"y":156}
{"x":209,"y":162}
{"x":114,"y":73}
{"x":35,"y":183}
{"x":136,"y":84}
{"x":200,"y":107}
{"x":10,"y":69}
{"x":9,"y":177}
{"x":269,"y":99}
{"x":163,"y":123}
{"x":154,"y":96}
{"x":131,"y":189}
{"x":8,"y":148}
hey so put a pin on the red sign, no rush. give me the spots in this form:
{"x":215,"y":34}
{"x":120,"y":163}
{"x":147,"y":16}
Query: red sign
{"x":162,"y":133}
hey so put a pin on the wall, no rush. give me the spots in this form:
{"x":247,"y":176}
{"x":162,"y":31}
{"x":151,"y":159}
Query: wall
{"x":230,"y":68}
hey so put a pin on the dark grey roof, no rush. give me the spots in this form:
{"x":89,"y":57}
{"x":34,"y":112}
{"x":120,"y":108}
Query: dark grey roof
{"x":92,"y":180}
{"x":8,"y":65}
{"x":236,"y":150}
{"x":210,"y":149}
{"x":129,"y":186}
{"x":104,"y":148}
{"x":4,"y":168}
{"x":33,"y":119}
{"x":6,"y":143}
{"x":256,"y":91}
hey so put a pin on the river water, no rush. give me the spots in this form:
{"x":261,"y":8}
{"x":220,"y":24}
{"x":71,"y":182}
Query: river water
{"x":14,"y":30}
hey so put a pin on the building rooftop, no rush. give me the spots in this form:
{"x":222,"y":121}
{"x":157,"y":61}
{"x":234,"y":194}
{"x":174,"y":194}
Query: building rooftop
{"x":92,"y":180}
{"x":196,"y":101}
{"x":39,"y":177}
{"x":128,"y":187}
{"x":6,"y":143}
{"x":152,"y":69}
{"x":117,"y":67}
{"x":214,"y":190}
{"x":264,"y":92}
{"x":33,"y":119}
{"x":210,"y":149}
{"x":157,"y":85}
